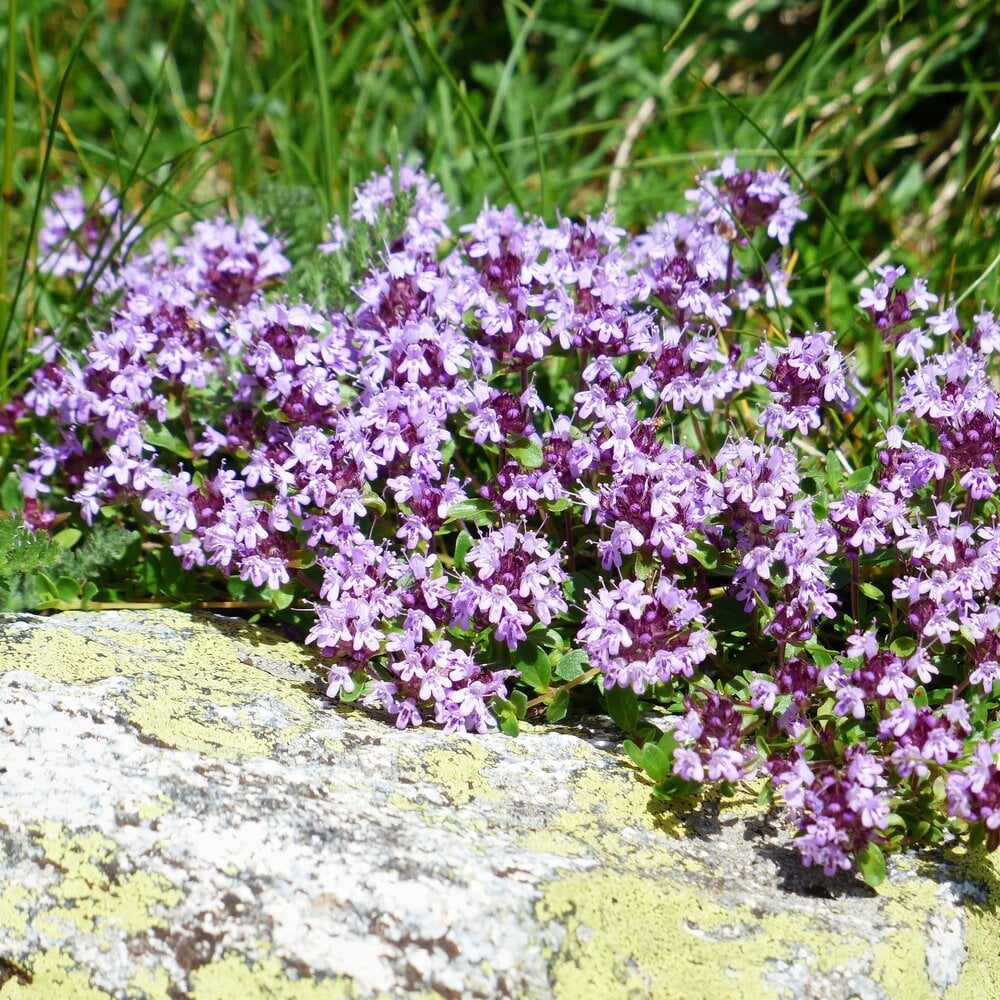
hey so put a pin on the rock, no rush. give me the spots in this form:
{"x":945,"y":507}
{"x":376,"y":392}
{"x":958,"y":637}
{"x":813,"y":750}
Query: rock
{"x":182,"y":813}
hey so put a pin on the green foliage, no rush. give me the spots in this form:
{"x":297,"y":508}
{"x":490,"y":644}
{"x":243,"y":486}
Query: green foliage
{"x":472,"y":512}
{"x":527,"y":453}
{"x":571,"y":665}
{"x":871,"y":864}
{"x":326,"y":280}
{"x":71,"y":569}
{"x":533,"y":664}
{"x":22,"y":553}
{"x":293,"y":213}
{"x":623,"y":707}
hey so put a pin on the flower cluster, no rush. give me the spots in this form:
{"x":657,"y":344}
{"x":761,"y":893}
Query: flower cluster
{"x":517,"y":447}
{"x":81,"y":240}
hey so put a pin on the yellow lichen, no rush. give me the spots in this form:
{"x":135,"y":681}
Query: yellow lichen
{"x":169,"y":697}
{"x":88,"y":896}
{"x":54,"y":974}
{"x":156,"y":807}
{"x":631,"y":934}
{"x":153,"y":983}
{"x":628,"y":936}
{"x":981,"y":972}
{"x":605,"y":806}
{"x":458,"y":769}
{"x":555,"y":842}
{"x":232,"y":975}
{"x":898,"y":963}
{"x":14,"y":902}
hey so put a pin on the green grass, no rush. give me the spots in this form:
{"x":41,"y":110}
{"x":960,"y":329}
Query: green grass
{"x":886,"y":113}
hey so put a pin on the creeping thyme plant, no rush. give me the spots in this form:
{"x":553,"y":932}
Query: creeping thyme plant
{"x":505,"y":469}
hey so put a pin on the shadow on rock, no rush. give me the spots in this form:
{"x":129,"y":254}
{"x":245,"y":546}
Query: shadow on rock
{"x":795,"y":878}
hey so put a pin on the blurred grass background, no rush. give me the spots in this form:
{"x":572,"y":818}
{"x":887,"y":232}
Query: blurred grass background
{"x":888,"y":112}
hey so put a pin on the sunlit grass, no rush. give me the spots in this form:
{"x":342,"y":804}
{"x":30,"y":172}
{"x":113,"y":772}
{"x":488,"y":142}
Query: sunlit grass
{"x":885,"y":111}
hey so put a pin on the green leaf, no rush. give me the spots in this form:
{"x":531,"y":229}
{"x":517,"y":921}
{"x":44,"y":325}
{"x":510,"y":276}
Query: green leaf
{"x":656,"y":763}
{"x":281,"y":599}
{"x":834,"y":470}
{"x":906,"y":189}
{"x":675,"y":787}
{"x":163,"y":437}
{"x":68,"y":589}
{"x":894,"y":820}
{"x":858,"y":481}
{"x":870,"y":590}
{"x":579,"y":585}
{"x":302,"y":558}
{"x":11,"y":497}
{"x":546,"y":636}
{"x":374,"y":501}
{"x":643,"y":569}
{"x":709,"y":557}
{"x":361,"y":688}
{"x":239,"y":590}
{"x":47,"y":589}
{"x":556,"y":709}
{"x":623,"y":707}
{"x":822,"y":657}
{"x":980,"y":712}
{"x":163,"y":573}
{"x":766,"y":795}
{"x":904,"y":646}
{"x":508,"y":724}
{"x":527,"y":453}
{"x":571,"y":665}
{"x":474,"y":511}
{"x":558,"y":506}
{"x":462,"y":545}
{"x":67,"y":538}
{"x":668,"y":743}
{"x":519,"y":702}
{"x":871,"y":864}
{"x":533,"y":664}
{"x":634,"y":752}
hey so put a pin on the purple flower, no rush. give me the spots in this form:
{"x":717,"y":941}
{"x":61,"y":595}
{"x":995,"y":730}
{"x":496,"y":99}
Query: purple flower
{"x":637,"y":637}
{"x":807,"y":374}
{"x":739,"y":202}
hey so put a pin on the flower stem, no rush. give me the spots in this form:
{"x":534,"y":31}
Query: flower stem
{"x":7,"y":193}
{"x":890,"y":385}
{"x":855,"y":587}
{"x":582,"y":679}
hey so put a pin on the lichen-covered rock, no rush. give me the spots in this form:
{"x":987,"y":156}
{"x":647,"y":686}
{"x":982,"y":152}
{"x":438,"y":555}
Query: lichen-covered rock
{"x":183,"y":814}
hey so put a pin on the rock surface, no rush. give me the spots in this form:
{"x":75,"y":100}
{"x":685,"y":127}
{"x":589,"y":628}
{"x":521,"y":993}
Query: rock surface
{"x":182,"y":813}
